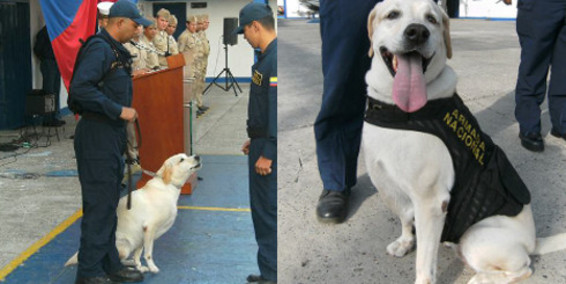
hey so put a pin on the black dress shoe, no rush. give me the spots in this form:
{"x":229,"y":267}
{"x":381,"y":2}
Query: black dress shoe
{"x":203,"y":108}
{"x":557,"y":134}
{"x":532,"y":141}
{"x":94,"y":280}
{"x":126,"y":275}
{"x":332,"y":206}
{"x":258,"y":279}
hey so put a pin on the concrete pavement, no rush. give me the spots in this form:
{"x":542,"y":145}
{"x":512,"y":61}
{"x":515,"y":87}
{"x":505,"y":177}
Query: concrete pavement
{"x":486,"y":57}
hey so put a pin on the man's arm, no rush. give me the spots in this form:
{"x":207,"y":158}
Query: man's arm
{"x":84,"y":87}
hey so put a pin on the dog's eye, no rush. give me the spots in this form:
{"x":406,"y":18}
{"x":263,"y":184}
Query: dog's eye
{"x":431,"y":19}
{"x":182,"y":159}
{"x":393,"y":15}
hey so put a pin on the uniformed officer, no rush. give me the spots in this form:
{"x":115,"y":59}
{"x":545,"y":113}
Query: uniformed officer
{"x":188,"y":42}
{"x":258,"y":26}
{"x":160,"y":41}
{"x":541,"y":26}
{"x":139,"y":54}
{"x":152,"y":59}
{"x":103,"y":11}
{"x":199,"y":62}
{"x":171,"y":28}
{"x":101,"y":90}
{"x":205,"y":50}
{"x":338,"y":126}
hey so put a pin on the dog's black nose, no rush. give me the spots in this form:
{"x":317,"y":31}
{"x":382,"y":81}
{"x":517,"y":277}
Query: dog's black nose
{"x":417,"y":33}
{"x":197,"y":158}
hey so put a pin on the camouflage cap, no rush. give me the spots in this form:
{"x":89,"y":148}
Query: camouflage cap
{"x":164,"y":13}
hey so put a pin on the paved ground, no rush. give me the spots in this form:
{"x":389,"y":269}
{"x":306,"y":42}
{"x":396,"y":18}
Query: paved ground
{"x":39,"y":187}
{"x":486,"y":57}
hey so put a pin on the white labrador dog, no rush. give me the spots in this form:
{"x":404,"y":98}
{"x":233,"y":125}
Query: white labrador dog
{"x":413,"y":170}
{"x":153,"y":212}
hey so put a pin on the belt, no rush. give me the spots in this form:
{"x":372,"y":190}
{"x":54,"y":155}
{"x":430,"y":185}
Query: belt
{"x":101,"y":118}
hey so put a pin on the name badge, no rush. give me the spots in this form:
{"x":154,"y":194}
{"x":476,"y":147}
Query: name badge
{"x":257,"y":78}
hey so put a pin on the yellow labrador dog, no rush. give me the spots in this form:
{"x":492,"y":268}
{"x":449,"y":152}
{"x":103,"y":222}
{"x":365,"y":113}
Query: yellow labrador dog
{"x":153,"y":212}
{"x":430,"y":161}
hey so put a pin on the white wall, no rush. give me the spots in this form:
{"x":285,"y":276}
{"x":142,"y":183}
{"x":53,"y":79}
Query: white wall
{"x":240,"y":56}
{"x":487,"y":9}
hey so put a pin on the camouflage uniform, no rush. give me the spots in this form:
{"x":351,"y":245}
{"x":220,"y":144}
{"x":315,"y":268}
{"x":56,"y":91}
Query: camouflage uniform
{"x":161,"y":40}
{"x":151,"y":58}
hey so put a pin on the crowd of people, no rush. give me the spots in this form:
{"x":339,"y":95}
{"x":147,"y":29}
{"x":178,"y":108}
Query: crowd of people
{"x":152,"y":44}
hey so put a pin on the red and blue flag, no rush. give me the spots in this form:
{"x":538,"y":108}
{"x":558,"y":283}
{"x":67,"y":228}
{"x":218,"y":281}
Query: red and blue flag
{"x":68,"y":22}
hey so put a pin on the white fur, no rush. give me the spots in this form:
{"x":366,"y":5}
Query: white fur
{"x":413,"y":171}
{"x":153,"y":211}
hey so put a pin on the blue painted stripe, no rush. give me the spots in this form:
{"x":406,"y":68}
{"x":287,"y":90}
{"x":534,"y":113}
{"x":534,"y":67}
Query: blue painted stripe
{"x":487,"y":19}
{"x":223,"y":79}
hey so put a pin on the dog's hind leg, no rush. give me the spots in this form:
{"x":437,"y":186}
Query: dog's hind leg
{"x":148,"y":238}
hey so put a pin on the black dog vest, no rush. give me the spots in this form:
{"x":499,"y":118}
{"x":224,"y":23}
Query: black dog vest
{"x":486,"y":183}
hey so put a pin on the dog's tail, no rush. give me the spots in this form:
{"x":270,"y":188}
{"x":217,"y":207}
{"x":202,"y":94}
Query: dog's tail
{"x":73,"y":260}
{"x":550,"y":244}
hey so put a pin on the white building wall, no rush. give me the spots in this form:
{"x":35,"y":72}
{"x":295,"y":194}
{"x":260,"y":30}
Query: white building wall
{"x":487,"y":9}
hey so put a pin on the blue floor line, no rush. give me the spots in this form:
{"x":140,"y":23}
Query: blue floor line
{"x":202,"y":246}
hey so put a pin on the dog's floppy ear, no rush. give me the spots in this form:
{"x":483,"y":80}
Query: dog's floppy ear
{"x":166,"y":173}
{"x":371,"y":18}
{"x":447,"y":40}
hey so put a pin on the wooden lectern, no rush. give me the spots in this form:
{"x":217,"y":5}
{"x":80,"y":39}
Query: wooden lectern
{"x":158,"y":100}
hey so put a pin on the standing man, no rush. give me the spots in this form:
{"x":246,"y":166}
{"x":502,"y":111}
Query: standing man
{"x":541,"y":26}
{"x":101,"y":91}
{"x":258,"y":26}
{"x":199,"y":62}
{"x":338,"y":126}
{"x":50,"y":73}
{"x":161,"y":39}
{"x":205,"y":49}
{"x":188,"y":42}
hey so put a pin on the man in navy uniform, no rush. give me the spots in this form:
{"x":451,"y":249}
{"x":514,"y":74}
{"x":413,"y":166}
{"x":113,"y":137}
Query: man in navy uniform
{"x":541,"y":26}
{"x":101,"y":91}
{"x":258,"y":26}
{"x":338,"y":126}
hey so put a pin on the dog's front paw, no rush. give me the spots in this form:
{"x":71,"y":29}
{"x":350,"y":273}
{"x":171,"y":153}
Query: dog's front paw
{"x":153,"y":269}
{"x":400,"y":247}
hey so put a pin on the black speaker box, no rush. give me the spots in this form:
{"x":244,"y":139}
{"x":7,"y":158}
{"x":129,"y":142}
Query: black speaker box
{"x":230,"y":24}
{"x":39,"y":102}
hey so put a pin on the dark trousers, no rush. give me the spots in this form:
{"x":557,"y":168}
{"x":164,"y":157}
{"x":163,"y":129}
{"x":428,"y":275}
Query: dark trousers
{"x":51,"y":81}
{"x":98,"y":149}
{"x":541,"y":26}
{"x":338,"y":126}
{"x":263,"y":202}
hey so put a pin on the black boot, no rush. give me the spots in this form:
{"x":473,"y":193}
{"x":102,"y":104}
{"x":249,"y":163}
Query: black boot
{"x":332,"y":206}
{"x":126,"y":275}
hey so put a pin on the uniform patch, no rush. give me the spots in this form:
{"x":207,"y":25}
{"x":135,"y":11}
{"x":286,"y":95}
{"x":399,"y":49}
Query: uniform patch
{"x":257,"y":78}
{"x":273,"y":82}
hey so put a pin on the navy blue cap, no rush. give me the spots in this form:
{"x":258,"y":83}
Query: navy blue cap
{"x":252,"y":12}
{"x":127,"y":9}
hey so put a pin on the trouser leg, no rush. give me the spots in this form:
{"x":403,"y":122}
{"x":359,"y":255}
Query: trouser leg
{"x":338,"y":126}
{"x":538,"y":23}
{"x":263,"y":201}
{"x":98,"y":149}
{"x":557,"y":87}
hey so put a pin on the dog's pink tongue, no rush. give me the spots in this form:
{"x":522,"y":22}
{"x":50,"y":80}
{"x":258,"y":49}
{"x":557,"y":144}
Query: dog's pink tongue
{"x":409,"y":87}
